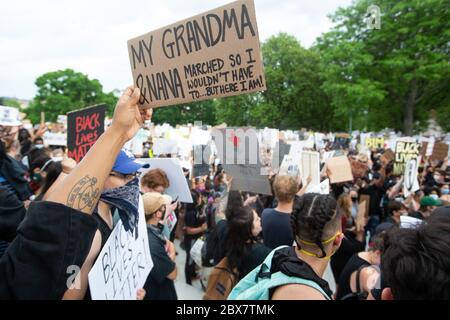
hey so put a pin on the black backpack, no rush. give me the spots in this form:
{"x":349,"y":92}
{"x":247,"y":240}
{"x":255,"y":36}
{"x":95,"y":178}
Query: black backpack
{"x":358,"y":295}
{"x":211,"y":247}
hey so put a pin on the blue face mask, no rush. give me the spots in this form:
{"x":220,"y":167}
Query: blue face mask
{"x":445,"y":191}
{"x":434,"y":196}
{"x":126,"y":200}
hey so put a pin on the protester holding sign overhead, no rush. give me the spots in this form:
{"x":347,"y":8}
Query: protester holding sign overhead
{"x":35,"y":267}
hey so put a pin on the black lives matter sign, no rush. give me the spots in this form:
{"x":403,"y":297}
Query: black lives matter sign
{"x":84,"y":127}
{"x":214,"y":54}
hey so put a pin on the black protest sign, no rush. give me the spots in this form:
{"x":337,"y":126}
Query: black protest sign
{"x":84,"y":127}
{"x":211,"y":55}
{"x":248,"y":178}
{"x":405,"y":151}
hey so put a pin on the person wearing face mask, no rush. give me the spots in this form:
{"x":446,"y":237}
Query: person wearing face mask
{"x":445,"y":194}
{"x":160,"y":281}
{"x":120,"y":196}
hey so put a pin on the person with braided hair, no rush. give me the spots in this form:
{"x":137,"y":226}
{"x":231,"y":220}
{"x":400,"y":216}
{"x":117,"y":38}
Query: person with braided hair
{"x":316,"y":225}
{"x":296,"y":272}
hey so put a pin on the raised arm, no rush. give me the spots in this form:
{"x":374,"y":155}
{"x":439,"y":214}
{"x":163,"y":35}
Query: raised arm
{"x":81,"y":189}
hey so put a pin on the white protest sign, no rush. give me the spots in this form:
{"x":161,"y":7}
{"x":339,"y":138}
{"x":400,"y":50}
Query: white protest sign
{"x":123,"y":264}
{"x":310,"y":166}
{"x":55,"y":139}
{"x":296,"y":150}
{"x":171,"y":166}
{"x":289,"y":167}
{"x":9,"y":116}
{"x":411,"y":184}
{"x":408,"y":222}
{"x":164,"y":146}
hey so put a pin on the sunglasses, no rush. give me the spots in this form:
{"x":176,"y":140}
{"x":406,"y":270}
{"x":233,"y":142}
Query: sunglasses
{"x":129,"y":176}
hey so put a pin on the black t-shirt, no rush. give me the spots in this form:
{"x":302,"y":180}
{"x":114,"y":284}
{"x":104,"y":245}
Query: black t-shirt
{"x":376,"y":194}
{"x":192,"y":218}
{"x":352,"y":265}
{"x":349,"y":246}
{"x":50,"y":239}
{"x":276,"y":228}
{"x":257,"y":253}
{"x":158,"y":286}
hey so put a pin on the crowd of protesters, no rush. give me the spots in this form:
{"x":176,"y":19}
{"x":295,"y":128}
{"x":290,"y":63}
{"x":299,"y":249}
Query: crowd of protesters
{"x":55,"y":213}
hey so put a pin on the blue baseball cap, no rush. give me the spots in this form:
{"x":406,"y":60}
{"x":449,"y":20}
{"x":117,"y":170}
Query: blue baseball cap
{"x":126,"y":163}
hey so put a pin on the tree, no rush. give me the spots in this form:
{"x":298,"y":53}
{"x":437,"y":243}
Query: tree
{"x":294,"y":97}
{"x":66,"y":90}
{"x":394,"y":75}
{"x":182,"y":114}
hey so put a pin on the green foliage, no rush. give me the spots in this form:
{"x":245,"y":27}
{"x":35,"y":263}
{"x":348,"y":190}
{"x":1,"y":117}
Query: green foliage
{"x":392,"y":77}
{"x":396,"y":74}
{"x":63,"y":91}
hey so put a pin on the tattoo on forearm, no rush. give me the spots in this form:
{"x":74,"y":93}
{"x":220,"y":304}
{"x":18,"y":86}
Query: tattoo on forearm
{"x":84,"y":195}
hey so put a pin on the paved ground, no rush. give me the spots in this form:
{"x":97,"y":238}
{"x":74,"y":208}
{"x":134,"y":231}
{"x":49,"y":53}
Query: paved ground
{"x":185,"y":291}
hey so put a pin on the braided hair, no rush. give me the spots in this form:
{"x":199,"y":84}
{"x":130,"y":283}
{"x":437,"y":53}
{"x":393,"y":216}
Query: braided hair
{"x":314,"y":217}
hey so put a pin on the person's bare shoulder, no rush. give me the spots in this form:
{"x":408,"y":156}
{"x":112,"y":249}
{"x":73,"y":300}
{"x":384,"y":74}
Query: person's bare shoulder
{"x":297,"y":292}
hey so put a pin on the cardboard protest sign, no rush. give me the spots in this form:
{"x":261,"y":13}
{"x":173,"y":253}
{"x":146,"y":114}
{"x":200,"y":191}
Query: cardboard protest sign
{"x":423,"y":149}
{"x":374,"y":143}
{"x":84,"y":127}
{"x":339,"y":169}
{"x":362,"y":214}
{"x":211,"y":55}
{"x":248,"y":178}
{"x":123,"y":264}
{"x":440,"y":151}
{"x":410,"y":183}
{"x":310,"y":166}
{"x":405,"y":151}
{"x":387,"y":156}
{"x":171,"y":166}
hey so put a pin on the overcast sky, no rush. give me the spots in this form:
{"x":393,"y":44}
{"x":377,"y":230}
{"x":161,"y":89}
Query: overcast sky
{"x":90,"y":36}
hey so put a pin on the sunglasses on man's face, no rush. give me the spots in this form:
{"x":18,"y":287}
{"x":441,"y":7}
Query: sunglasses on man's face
{"x":129,"y":176}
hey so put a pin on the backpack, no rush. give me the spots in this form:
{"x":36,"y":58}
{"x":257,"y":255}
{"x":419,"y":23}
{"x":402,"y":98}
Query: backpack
{"x":358,"y":295}
{"x":221,"y":281}
{"x":257,"y":284}
{"x":212,"y":242}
